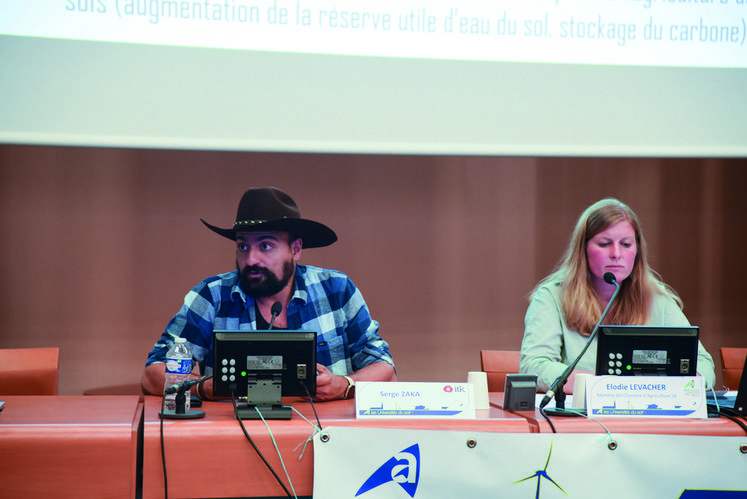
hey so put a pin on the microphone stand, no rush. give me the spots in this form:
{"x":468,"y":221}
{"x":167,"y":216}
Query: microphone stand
{"x":180,"y":400}
{"x":277,"y":307}
{"x":556,"y":390}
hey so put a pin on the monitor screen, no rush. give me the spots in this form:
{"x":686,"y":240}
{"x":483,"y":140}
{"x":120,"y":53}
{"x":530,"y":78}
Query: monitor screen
{"x":279,"y":362}
{"x":740,"y":402}
{"x":647,"y":351}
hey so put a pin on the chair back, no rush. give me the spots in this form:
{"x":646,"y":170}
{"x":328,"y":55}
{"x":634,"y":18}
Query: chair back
{"x":498,"y":363}
{"x":732,"y":363}
{"x":29,"y":371}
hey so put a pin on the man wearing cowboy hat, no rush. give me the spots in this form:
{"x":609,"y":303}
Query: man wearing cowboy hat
{"x":270,"y":236}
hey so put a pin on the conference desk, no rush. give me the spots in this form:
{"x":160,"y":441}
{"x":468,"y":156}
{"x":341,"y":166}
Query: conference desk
{"x":211,"y":457}
{"x":69,"y":446}
{"x":721,"y":426}
{"x":87,"y":446}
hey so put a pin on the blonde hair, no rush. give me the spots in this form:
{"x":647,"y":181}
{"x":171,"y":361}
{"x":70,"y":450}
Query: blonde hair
{"x":579,"y":297}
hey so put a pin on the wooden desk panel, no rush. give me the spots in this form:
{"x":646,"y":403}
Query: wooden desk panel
{"x":663,"y":426}
{"x":69,"y":446}
{"x":211,"y":457}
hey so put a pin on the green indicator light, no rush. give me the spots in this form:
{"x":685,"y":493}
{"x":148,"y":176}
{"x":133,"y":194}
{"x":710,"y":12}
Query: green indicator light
{"x":628,"y":367}
{"x":243,"y":374}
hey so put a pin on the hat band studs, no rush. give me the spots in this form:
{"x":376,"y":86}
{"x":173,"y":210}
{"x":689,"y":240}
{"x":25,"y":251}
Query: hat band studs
{"x":243,"y":223}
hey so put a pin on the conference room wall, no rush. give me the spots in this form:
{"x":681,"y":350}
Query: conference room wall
{"x":100,"y":245}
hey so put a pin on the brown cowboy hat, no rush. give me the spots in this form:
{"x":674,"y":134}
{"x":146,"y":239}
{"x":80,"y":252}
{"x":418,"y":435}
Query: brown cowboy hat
{"x":270,"y":209}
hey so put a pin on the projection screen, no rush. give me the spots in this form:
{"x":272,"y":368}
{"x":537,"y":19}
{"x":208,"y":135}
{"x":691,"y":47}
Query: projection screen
{"x":513,"y":77}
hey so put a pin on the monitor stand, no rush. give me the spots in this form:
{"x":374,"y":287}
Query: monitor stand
{"x":264,"y":396}
{"x":268,"y":412}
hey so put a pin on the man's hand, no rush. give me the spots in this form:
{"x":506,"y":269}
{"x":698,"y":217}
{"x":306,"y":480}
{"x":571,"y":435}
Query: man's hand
{"x":329,"y":386}
{"x":332,"y":386}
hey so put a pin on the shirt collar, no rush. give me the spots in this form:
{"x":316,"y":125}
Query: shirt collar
{"x":299,"y":288}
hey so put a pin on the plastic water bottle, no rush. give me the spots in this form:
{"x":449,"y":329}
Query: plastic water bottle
{"x":178,"y":368}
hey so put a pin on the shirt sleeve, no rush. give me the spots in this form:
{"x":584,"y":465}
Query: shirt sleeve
{"x":542,"y":346}
{"x":367,"y":346}
{"x":329,"y":303}
{"x":666,"y":312}
{"x":194,"y":322}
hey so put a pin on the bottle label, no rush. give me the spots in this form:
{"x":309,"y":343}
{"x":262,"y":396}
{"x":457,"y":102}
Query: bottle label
{"x":179,"y":366}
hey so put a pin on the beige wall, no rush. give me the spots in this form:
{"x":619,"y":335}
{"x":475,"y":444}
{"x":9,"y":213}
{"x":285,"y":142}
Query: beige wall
{"x":99,"y":246}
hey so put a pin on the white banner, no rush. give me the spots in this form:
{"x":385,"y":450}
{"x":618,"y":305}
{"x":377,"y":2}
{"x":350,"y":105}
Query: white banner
{"x":383,"y":463}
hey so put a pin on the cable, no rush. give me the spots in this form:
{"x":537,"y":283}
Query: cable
{"x":715,"y":400}
{"x":277,"y":450}
{"x":609,"y":434}
{"x":163,"y":452}
{"x":612,"y":444}
{"x":259,"y":453}
{"x":317,"y":428}
{"x":313,"y":407}
{"x":728,"y":414}
{"x":552,"y":426}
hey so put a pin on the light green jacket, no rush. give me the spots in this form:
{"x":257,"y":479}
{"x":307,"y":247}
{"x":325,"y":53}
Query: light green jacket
{"x":549,"y":346}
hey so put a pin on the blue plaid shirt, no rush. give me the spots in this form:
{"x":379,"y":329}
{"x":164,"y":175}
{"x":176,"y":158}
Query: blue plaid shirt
{"x":325,"y":301}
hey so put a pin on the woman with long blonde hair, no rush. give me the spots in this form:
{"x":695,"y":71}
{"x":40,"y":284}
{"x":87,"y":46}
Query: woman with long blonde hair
{"x":565,"y":306}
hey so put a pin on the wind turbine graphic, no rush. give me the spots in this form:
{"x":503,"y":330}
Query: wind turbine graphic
{"x":540,"y":474}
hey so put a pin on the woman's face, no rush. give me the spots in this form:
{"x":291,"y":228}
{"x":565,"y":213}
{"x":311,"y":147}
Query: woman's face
{"x":612,"y":250}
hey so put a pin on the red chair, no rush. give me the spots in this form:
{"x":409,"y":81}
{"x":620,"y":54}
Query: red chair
{"x":498,"y":363}
{"x":29,"y":371}
{"x":732,"y":363}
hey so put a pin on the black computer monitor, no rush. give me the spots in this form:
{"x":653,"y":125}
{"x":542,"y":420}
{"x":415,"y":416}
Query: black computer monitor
{"x":264,"y":366}
{"x":647,"y":351}
{"x":740,"y":403}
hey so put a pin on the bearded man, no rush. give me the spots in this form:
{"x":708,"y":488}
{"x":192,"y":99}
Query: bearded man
{"x":270,"y":236}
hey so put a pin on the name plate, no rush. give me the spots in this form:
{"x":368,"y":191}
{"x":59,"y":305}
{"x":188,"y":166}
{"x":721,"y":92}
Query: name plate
{"x":649,"y":396}
{"x":414,"y":400}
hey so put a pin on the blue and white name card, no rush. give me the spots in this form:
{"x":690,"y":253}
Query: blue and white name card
{"x":414,"y":400}
{"x":650,"y":396}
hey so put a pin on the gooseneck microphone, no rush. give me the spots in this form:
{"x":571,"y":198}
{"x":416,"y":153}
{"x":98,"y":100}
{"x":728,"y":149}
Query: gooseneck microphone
{"x":557,"y":386}
{"x":184,"y":385}
{"x":277,"y":307}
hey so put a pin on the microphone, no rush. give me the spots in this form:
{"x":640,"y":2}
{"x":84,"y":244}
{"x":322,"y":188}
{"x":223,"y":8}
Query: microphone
{"x":277,"y":307}
{"x":557,"y":386}
{"x":184,"y":385}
